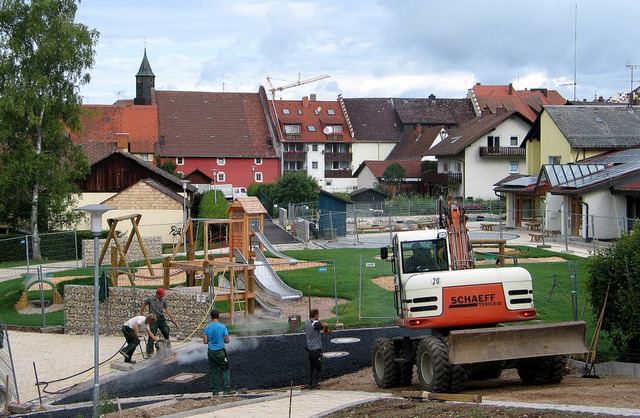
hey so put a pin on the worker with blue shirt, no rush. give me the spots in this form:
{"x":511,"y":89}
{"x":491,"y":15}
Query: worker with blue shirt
{"x":216,"y":336}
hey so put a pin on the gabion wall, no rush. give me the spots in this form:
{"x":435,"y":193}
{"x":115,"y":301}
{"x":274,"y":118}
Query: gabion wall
{"x":153,"y":246}
{"x":190,"y":309}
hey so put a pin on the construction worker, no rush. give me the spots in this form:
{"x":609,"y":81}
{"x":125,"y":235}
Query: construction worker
{"x":215,"y":337}
{"x":158,"y":306}
{"x":313,"y":329}
{"x":131,"y":331}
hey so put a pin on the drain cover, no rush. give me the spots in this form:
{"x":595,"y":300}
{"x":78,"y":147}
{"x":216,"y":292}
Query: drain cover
{"x":345,"y":340}
{"x":183,"y":377}
{"x":332,"y":354}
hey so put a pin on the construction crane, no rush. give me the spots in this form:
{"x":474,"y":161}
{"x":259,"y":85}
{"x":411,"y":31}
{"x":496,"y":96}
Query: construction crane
{"x":297,"y":83}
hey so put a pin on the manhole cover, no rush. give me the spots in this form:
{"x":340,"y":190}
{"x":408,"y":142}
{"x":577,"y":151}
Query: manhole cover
{"x":332,"y":354}
{"x":347,"y":340}
{"x":183,"y":377}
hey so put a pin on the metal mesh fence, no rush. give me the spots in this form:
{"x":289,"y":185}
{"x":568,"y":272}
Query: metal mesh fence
{"x":375,"y":299}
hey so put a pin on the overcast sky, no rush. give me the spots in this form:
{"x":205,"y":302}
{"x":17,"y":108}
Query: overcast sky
{"x":384,"y":48}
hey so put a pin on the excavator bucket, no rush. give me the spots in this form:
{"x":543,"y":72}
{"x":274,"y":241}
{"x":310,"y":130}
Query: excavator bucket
{"x":516,"y":342}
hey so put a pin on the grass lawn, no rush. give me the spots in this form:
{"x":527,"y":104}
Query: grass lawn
{"x":319,"y":282}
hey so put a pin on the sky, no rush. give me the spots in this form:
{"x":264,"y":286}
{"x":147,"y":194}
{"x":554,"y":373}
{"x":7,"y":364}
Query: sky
{"x":367,"y":48}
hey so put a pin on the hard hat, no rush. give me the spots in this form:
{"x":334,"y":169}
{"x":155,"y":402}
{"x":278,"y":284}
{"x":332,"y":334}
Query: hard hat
{"x":160,"y":291}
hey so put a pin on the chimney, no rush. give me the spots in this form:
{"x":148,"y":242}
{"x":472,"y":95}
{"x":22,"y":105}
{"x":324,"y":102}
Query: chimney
{"x":419,"y":128}
{"x":313,"y":97}
{"x":432,"y":96}
{"x":305,"y":101}
{"x":510,"y":89}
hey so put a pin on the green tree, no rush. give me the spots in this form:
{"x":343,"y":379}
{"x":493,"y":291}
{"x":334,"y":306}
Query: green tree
{"x":616,"y":270}
{"x":212,"y":206}
{"x":295,"y":187}
{"x":168,"y":166}
{"x":394,"y":174}
{"x":44,"y":57}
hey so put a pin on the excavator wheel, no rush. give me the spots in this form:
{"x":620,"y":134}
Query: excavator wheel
{"x":432,"y":364}
{"x":541,"y":370}
{"x":385,"y":370}
{"x":459,"y":373}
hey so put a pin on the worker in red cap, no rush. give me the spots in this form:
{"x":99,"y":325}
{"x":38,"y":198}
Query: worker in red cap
{"x":158,"y":306}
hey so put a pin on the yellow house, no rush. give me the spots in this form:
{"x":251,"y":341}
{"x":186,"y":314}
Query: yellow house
{"x":564,"y":135}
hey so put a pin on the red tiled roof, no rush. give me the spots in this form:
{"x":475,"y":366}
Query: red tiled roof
{"x":302,"y":112}
{"x":412,"y":167}
{"x":526,"y":102}
{"x":205,"y":124}
{"x":105,"y":123}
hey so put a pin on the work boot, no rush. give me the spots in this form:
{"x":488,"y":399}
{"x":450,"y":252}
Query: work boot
{"x":125,"y":355}
{"x":130,"y":361}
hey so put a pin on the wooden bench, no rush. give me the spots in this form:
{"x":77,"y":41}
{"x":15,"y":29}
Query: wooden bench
{"x":376,"y":228}
{"x":487,"y":226}
{"x":552,"y":232}
{"x":535,"y":236}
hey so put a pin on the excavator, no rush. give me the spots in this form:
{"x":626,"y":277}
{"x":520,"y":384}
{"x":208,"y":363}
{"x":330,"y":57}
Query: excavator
{"x":476,"y":322}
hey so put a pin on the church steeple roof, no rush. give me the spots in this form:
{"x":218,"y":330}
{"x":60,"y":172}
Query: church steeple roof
{"x":145,"y":68}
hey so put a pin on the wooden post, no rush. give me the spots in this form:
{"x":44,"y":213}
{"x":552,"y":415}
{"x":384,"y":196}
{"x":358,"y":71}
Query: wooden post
{"x":250,"y":287}
{"x":206,"y":280}
{"x":166,"y":273}
{"x":232,"y":295}
{"x":114,"y":266}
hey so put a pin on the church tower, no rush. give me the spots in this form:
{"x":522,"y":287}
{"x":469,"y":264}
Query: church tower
{"x":145,"y":81}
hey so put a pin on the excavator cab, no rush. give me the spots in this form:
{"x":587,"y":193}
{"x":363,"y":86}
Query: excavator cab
{"x":423,"y":256}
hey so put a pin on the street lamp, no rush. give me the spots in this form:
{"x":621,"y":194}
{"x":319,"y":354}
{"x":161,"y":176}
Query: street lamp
{"x":96,"y":211}
{"x":185,"y":183}
{"x":215,"y":191}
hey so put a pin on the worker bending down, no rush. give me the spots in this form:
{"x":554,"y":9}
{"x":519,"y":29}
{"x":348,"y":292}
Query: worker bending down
{"x":131,"y":331}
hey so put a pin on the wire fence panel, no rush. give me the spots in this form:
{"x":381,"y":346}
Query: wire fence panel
{"x":376,"y":290}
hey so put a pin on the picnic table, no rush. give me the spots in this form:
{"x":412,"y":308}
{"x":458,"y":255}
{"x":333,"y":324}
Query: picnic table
{"x":533,"y":225}
{"x":552,"y":232}
{"x":373,"y":228}
{"x":535,"y":236}
{"x":487,"y":226}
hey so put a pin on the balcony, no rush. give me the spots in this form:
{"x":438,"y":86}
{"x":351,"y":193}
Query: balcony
{"x":338,"y":156}
{"x":442,"y":178}
{"x":335,"y":136}
{"x":337,"y":174}
{"x":292,"y":137}
{"x":293,"y":156}
{"x":502,"y":152}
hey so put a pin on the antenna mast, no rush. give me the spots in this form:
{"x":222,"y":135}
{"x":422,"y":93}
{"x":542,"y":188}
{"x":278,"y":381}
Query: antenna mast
{"x":632,"y":67}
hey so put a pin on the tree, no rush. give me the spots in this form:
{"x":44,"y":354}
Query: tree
{"x":616,"y":270}
{"x":44,"y":57}
{"x":394,"y":175}
{"x":295,"y":187}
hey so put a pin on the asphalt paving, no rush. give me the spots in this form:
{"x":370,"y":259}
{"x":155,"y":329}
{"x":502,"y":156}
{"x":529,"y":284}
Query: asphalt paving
{"x":256,"y":363}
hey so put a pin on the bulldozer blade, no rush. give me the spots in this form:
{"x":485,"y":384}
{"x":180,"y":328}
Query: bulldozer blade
{"x":516,"y":342}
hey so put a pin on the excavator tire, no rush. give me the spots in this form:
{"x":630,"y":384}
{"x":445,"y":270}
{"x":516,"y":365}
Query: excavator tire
{"x":459,"y":374}
{"x":540,"y":371}
{"x":385,"y":370}
{"x":432,"y":365}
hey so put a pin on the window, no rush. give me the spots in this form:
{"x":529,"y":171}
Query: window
{"x":493,"y":141}
{"x":314,"y":147}
{"x":257,"y":177}
{"x":554,"y":159}
{"x":299,"y":111}
{"x":145,"y":157}
{"x":316,"y":111}
{"x":514,"y":167}
{"x":331,"y":112}
{"x":258,"y":161}
{"x":311,"y":128}
{"x":291,"y":129}
{"x":459,"y":167}
{"x":221,"y":161}
{"x":314,"y":165}
{"x":445,"y":167}
{"x":179,"y":160}
{"x":222,"y":177}
{"x":514,"y":141}
{"x":286,"y":112}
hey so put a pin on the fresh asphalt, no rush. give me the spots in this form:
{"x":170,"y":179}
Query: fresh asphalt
{"x":256,"y":363}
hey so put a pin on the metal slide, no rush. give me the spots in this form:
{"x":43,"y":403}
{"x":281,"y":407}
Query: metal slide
{"x":264,"y":241}
{"x":270,"y":282}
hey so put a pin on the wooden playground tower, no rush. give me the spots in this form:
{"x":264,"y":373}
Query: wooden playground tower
{"x":244,"y":213}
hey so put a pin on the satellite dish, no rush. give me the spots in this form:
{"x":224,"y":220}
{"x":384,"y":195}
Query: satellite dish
{"x":326,"y":130}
